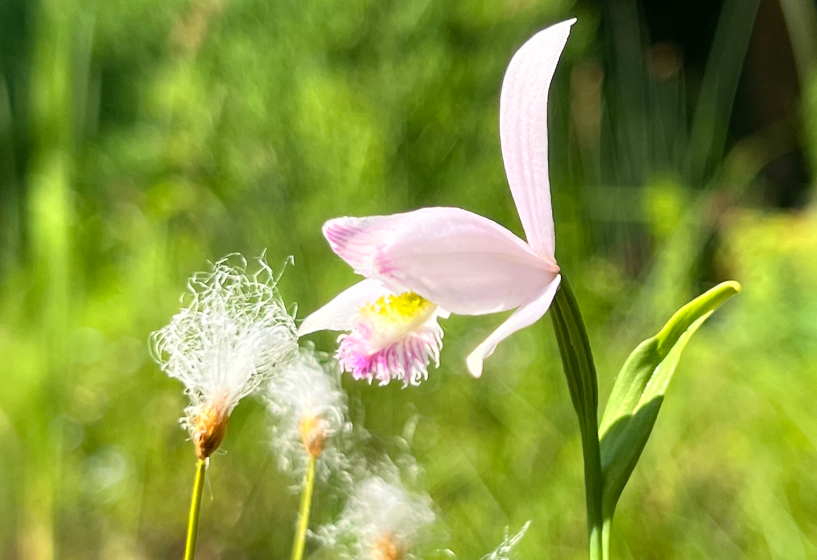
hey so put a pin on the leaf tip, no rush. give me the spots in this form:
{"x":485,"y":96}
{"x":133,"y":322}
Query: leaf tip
{"x":731,"y":285}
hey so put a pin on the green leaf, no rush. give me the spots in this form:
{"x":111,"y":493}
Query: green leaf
{"x":639,"y":391}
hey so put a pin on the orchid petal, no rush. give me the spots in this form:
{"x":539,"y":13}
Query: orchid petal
{"x":523,"y":132}
{"x":524,"y":316}
{"x":340,"y":313}
{"x":456,"y":259}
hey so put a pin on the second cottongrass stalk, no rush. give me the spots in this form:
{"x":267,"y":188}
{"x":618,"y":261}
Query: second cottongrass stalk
{"x":233,"y":333}
{"x":309,"y":409}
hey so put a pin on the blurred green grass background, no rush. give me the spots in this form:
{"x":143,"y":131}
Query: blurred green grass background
{"x":141,"y":139}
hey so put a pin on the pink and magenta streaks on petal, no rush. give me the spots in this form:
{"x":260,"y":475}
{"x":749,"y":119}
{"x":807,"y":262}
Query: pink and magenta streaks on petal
{"x":348,"y":243}
{"x":461,"y":261}
{"x":406,"y":359}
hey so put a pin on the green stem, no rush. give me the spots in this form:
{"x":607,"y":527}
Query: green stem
{"x":580,"y":372}
{"x":303,"y":514}
{"x":195,"y":508}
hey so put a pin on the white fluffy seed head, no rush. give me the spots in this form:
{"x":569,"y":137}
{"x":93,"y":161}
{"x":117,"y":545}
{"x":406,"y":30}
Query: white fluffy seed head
{"x":233,"y":334}
{"x":382,"y":521}
{"x":309,"y":410}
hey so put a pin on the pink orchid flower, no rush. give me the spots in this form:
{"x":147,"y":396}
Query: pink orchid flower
{"x":421,"y":265}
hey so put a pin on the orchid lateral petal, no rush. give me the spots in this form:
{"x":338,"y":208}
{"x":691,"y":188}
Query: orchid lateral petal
{"x":340,"y":313}
{"x":456,"y":259}
{"x":523,"y":132}
{"x":524,"y":316}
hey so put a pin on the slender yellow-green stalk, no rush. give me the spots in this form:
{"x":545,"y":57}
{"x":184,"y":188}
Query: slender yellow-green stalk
{"x":605,"y":538}
{"x":303,"y":514}
{"x":580,"y":372}
{"x":195,"y":507}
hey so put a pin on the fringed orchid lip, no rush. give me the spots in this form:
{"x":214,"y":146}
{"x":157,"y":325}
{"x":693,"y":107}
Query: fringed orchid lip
{"x":388,"y":335}
{"x":394,"y":337}
{"x":459,"y":260}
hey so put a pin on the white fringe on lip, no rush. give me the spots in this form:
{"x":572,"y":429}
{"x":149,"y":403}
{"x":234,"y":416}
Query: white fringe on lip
{"x":405,"y":359}
{"x":233,"y":334}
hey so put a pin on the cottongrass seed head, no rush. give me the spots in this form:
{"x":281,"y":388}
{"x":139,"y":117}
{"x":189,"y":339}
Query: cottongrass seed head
{"x":234,"y":334}
{"x":309,"y":409}
{"x":382,"y":521}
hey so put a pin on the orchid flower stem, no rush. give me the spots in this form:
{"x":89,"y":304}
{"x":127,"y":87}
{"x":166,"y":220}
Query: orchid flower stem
{"x":195,"y":508}
{"x":303,"y":515}
{"x":605,"y":538}
{"x":580,"y":372}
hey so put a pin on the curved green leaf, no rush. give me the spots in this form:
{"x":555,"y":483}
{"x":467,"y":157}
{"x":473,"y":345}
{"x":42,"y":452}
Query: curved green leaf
{"x":639,"y":391}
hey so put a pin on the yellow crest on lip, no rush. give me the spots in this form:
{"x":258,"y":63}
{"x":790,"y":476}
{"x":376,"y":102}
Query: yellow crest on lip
{"x":406,"y":310}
